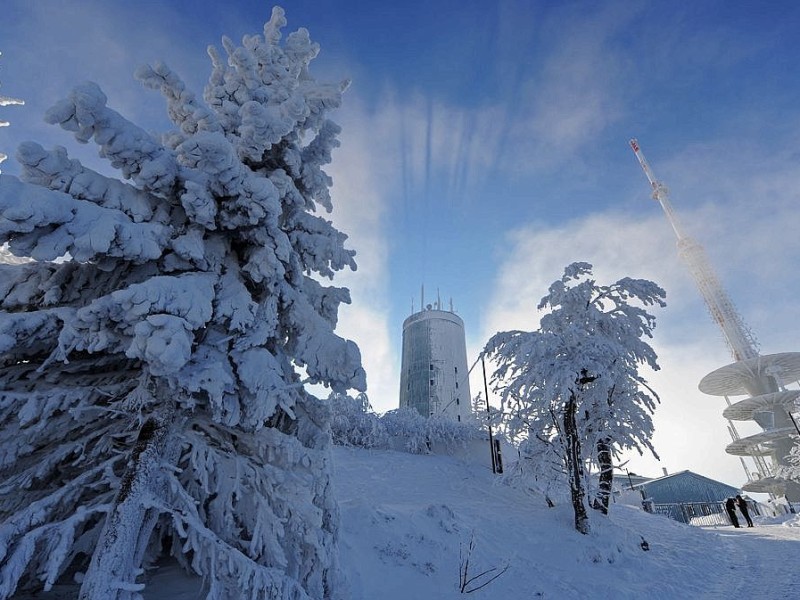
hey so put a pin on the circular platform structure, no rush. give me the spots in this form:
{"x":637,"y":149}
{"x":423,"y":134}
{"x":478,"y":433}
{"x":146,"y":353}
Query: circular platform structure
{"x":744,"y":409}
{"x":751,"y":445}
{"x":731,"y":379}
{"x":765,"y":485}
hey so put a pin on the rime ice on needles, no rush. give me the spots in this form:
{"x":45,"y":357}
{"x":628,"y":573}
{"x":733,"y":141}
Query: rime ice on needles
{"x":6,"y":101}
{"x":151,"y":395}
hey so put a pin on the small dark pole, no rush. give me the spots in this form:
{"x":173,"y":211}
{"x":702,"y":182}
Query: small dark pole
{"x":793,"y":422}
{"x":498,"y":456}
{"x":630,"y":481}
{"x":488,"y":417}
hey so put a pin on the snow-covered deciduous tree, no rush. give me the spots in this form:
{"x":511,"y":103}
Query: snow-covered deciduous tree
{"x":151,"y":395}
{"x":575,"y":382}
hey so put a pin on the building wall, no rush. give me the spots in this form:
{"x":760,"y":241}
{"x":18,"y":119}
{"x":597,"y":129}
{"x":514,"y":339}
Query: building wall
{"x":433,"y":375}
{"x":687,"y":487}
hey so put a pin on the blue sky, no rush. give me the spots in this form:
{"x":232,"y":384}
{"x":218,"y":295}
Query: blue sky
{"x":485,"y":147}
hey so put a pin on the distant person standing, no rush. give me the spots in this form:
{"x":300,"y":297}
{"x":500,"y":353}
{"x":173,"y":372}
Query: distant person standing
{"x":742,"y":504}
{"x":730,"y":508}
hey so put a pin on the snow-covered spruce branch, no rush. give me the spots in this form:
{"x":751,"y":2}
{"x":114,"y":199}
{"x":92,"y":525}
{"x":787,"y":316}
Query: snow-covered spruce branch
{"x":41,"y":467}
{"x":60,"y":536}
{"x":184,"y":109}
{"x":128,"y":147}
{"x":78,"y":227}
{"x":37,"y":513}
{"x":54,"y":170}
{"x":225,"y":567}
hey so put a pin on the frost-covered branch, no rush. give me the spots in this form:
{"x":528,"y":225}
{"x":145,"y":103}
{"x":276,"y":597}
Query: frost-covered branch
{"x":576,"y":378}
{"x":8,"y":101}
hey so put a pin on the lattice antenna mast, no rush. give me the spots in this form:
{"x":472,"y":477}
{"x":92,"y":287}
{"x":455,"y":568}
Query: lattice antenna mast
{"x":738,"y":336}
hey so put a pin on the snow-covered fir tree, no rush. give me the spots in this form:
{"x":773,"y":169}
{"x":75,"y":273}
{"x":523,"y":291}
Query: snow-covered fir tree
{"x":574,"y":384}
{"x":152,"y":400}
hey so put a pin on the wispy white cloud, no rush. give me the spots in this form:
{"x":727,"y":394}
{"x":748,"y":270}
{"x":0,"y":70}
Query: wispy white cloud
{"x":51,"y":47}
{"x":390,"y":155}
{"x":573,"y":91}
{"x":434,"y":144}
{"x":360,"y":207}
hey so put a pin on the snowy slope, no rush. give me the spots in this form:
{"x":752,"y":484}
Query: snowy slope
{"x":404,"y":518}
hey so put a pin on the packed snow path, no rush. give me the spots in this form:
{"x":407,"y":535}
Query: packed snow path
{"x":761,"y":562}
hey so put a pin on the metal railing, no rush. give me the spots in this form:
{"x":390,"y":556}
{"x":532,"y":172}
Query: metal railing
{"x":694,"y":513}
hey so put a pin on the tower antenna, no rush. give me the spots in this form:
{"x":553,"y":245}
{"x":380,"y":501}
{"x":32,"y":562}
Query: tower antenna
{"x":740,"y":340}
{"x":762,"y":377}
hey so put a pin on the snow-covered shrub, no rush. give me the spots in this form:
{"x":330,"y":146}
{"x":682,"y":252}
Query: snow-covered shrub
{"x":419,"y":434}
{"x":540,"y":469}
{"x":150,"y":391}
{"x":409,"y":426}
{"x":443,"y":430}
{"x":353,"y":422}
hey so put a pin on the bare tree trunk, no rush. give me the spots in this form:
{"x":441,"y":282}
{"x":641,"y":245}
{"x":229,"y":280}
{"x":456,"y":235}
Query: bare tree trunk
{"x":606,"y":475}
{"x":574,"y":465}
{"x":116,"y":560}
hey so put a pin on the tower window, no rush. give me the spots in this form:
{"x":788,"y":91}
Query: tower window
{"x":458,"y":401}
{"x":431,"y":366}
{"x":456,"y":368}
{"x":459,"y":418}
{"x":431,"y":381}
{"x":456,"y":385}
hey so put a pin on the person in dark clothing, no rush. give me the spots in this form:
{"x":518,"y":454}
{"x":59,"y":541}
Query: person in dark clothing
{"x":742,"y":504}
{"x":730,"y":508}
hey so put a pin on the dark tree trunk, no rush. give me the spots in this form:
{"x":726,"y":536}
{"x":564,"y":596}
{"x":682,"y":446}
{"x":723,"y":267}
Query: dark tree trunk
{"x":606,"y":475}
{"x":574,"y":465}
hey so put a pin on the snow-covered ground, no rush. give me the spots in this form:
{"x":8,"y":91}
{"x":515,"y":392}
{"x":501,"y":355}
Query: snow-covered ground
{"x":405,"y":517}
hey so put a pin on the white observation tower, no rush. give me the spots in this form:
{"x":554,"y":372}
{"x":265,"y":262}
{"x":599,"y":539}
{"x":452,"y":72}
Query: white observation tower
{"x":434,"y":373}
